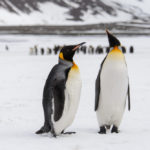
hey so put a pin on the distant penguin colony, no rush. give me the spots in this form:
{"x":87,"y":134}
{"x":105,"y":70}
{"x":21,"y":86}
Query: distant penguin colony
{"x":112,"y":88}
{"x":61,"y":93}
{"x":83,"y":50}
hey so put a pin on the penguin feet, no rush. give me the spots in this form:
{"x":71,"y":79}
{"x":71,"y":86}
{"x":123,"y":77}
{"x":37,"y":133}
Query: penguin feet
{"x":54,"y":135}
{"x":114,"y":129}
{"x":44,"y":129}
{"x":102,"y":130}
{"x":69,"y":133}
{"x":53,"y":132}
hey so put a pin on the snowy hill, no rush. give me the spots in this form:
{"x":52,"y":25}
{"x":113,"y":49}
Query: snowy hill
{"x":68,"y":12}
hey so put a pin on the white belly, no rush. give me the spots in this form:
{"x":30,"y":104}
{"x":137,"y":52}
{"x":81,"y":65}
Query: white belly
{"x":114,"y":85}
{"x":72,"y":97}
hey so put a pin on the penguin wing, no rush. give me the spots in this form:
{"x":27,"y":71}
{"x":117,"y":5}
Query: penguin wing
{"x":59,"y":93}
{"x":97,"y":86}
{"x":59,"y":99}
{"x":97,"y":90}
{"x":129,"y":104}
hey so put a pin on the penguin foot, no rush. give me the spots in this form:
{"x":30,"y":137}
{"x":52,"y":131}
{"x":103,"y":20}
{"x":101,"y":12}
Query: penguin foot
{"x":69,"y":133}
{"x":114,"y":129}
{"x":102,"y":130}
{"x":44,"y":129}
{"x":54,"y":135}
{"x":108,"y":127}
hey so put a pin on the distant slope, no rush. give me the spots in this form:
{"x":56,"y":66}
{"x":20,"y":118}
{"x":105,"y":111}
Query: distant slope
{"x":67,"y":12}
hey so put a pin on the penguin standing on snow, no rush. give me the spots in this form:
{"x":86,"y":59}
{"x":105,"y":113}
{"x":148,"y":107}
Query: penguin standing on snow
{"x":61,"y":93}
{"x":112,"y":88}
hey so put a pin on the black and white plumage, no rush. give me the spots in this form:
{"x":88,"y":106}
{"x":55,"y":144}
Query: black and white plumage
{"x":61,"y":93}
{"x":112,"y":88}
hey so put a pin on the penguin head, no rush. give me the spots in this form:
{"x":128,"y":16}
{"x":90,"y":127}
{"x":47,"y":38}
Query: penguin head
{"x":67,"y":52}
{"x":113,"y":41}
{"x":115,"y":51}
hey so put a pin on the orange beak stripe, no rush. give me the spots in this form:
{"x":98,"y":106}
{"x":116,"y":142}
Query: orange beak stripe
{"x":76,"y":47}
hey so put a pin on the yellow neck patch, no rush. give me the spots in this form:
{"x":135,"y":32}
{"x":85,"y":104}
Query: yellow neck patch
{"x":75,"y":67}
{"x":116,"y":53}
{"x":116,"y":50}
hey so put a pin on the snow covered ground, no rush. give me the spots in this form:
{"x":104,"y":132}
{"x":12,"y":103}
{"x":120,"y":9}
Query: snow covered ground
{"x":22,"y":78}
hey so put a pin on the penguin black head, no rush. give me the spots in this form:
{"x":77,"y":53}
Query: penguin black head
{"x":67,"y":52}
{"x":113,"y":41}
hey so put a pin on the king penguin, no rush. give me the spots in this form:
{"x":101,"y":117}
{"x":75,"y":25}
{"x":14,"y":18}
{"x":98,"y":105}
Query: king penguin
{"x":112,"y":88}
{"x":61,"y":93}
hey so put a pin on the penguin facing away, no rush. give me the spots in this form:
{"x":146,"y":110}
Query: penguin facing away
{"x":61,"y":93}
{"x":112,"y":88}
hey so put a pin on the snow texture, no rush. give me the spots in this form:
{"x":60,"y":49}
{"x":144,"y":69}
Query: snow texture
{"x":22,"y":78}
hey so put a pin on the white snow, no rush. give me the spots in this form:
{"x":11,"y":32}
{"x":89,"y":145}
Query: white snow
{"x":22,"y":78}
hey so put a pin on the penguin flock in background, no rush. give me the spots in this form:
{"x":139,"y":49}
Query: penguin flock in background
{"x":62,"y":90}
{"x":83,"y":50}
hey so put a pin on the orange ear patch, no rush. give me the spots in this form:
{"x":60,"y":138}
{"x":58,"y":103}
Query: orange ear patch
{"x":61,"y":56}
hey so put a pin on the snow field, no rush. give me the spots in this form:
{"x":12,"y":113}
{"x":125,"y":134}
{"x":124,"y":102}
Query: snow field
{"x":21,"y":85}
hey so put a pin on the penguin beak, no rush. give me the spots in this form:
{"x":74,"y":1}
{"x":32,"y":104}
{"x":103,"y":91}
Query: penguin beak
{"x":113,"y":41}
{"x":77,"y":46}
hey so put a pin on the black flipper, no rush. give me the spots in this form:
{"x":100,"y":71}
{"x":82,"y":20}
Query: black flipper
{"x":59,"y":99}
{"x":129,"y":104}
{"x":97,"y":86}
{"x":97,"y":90}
